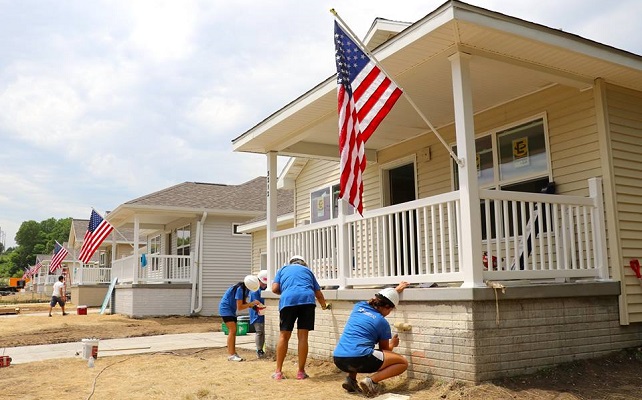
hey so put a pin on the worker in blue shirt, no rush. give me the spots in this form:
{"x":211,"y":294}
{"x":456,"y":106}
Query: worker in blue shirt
{"x":298,"y":289}
{"x":366,"y":328}
{"x":234,"y":300}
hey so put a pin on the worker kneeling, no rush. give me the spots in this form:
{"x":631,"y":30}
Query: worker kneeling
{"x":356,"y":353}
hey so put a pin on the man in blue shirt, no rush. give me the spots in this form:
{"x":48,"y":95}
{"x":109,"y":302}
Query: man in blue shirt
{"x":298,"y":289}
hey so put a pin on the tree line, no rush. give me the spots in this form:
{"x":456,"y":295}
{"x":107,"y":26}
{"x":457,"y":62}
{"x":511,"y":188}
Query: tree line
{"x":32,"y":238}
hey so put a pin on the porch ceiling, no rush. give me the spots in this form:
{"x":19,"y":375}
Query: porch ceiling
{"x":510,"y":59}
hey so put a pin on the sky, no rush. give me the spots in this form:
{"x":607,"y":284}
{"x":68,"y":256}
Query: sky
{"x":102,"y":102}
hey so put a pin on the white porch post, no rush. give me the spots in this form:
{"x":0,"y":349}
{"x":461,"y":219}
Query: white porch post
{"x":343,"y":245}
{"x":136,"y":246}
{"x":470,"y":246}
{"x":599,"y":227}
{"x":271,"y":214}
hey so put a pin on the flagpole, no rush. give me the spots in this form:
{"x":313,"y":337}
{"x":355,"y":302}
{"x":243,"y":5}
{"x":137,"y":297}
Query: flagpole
{"x":459,"y":161}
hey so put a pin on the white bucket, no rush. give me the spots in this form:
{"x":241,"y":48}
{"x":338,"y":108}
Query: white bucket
{"x":89,"y":348}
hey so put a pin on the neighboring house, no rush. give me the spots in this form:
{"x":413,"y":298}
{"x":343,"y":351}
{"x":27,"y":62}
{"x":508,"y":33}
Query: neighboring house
{"x":89,"y":282}
{"x":195,"y":250}
{"x":42,"y":281}
{"x":519,"y":249}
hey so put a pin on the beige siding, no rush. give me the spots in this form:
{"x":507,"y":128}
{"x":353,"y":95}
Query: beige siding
{"x":315,"y":174}
{"x":625,"y":124}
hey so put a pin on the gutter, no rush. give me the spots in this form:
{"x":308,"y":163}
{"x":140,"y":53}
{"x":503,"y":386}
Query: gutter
{"x":198,"y":283}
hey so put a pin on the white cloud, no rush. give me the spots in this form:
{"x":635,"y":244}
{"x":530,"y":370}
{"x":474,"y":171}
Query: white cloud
{"x":105,"y":101}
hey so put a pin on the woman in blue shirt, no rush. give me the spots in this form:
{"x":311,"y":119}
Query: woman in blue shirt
{"x":367,"y":327}
{"x":232,"y":301}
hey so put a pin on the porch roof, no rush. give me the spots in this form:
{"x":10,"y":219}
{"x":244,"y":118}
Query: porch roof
{"x":511,"y":58}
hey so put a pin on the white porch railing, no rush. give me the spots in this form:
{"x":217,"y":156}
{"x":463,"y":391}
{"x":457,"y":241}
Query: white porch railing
{"x":91,"y":275}
{"x":159,"y":269}
{"x":419,"y":242}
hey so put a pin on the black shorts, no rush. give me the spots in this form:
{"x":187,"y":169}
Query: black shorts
{"x":365,"y":364}
{"x":56,"y":300}
{"x":303,"y":315}
{"x":231,"y":318}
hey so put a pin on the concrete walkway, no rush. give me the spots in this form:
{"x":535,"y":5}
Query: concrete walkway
{"x":135,"y":345}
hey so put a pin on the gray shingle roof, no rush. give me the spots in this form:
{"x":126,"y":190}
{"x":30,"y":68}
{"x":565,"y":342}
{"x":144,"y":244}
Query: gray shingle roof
{"x":248,"y":196}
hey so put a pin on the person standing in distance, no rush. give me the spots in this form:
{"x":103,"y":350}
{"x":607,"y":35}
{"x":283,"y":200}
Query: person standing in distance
{"x":367,"y":327}
{"x":298,"y":289}
{"x":58,"y":296}
{"x":233,"y":301}
{"x":256,"y":319}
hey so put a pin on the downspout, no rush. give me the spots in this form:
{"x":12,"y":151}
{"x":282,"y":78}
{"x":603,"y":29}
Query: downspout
{"x":199,"y":269}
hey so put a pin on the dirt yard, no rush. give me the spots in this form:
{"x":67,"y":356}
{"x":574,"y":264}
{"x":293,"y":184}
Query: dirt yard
{"x":206,"y":373}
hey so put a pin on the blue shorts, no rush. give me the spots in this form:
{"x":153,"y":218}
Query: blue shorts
{"x":364,"y":364}
{"x":303,"y":315}
{"x":56,"y":300}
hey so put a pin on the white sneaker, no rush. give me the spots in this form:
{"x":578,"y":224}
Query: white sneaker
{"x":234,"y":357}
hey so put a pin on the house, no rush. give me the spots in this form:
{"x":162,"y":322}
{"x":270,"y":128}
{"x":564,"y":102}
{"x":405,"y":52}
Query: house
{"x":513,"y":207}
{"x":89,"y":282}
{"x":194,"y":249}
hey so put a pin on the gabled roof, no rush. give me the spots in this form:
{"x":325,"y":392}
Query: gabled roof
{"x":192,"y":199}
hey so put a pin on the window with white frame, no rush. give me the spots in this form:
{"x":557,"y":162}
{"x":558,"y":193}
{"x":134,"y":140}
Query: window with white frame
{"x":511,"y":157}
{"x":183,"y":236}
{"x":514,"y":158}
{"x":324,"y":204}
{"x":155,"y":245}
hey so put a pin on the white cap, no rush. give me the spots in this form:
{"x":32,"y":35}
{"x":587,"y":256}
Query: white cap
{"x":262,"y":275}
{"x":296,"y":257}
{"x":251,"y":282}
{"x":390,"y":294}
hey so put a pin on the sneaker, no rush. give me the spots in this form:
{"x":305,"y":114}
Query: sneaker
{"x":302,"y":375}
{"x":64,"y":313}
{"x":369,"y":388}
{"x":260,"y":354}
{"x":277,"y":376}
{"x":351,"y":385}
{"x":50,"y":315}
{"x":234,"y":357}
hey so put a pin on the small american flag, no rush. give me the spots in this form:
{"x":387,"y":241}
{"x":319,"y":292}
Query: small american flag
{"x":59,"y":254}
{"x":34,"y":270}
{"x":97,"y":232}
{"x":365,"y":96}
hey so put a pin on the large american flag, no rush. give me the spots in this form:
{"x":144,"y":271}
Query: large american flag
{"x":365,"y":96}
{"x":97,"y":232}
{"x":59,"y":254}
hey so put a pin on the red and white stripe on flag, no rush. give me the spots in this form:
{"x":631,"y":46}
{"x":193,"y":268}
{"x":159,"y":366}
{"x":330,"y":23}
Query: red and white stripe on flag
{"x":59,"y":254}
{"x":365,"y":96}
{"x":97,"y":232}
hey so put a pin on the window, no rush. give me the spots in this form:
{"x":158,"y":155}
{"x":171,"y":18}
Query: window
{"x":509,"y":158}
{"x":183,"y":241}
{"x":324,"y":204}
{"x":514,"y":159}
{"x":154,"y":245}
{"x":235,"y":229}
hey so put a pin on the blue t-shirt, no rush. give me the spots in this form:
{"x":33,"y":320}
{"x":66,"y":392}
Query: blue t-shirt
{"x":227,"y":306}
{"x":254,"y":315}
{"x":297,"y":284}
{"x":363,"y":331}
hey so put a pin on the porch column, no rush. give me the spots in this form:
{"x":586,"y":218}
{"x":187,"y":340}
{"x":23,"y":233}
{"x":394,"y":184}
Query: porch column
{"x":271,"y":214}
{"x":470,"y":246}
{"x":343,"y":245}
{"x":136,"y":246}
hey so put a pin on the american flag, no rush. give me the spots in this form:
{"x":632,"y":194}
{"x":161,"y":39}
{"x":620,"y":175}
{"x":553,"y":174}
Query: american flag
{"x":59,"y":254}
{"x":34,"y":270}
{"x":97,"y":232}
{"x":365,"y":96}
